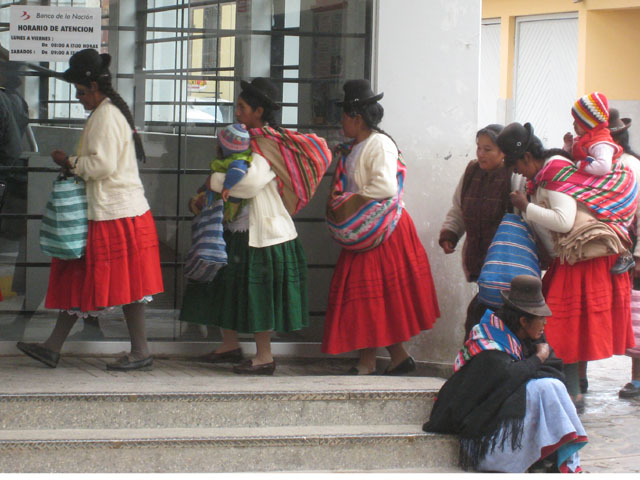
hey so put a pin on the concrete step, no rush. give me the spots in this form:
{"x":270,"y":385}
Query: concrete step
{"x":190,"y":417}
{"x":285,"y":449}
{"x":215,"y":409}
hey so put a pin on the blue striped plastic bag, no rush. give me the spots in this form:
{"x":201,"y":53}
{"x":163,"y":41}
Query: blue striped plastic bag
{"x":512,"y":252}
{"x":64,"y":228}
{"x":208,"y":252}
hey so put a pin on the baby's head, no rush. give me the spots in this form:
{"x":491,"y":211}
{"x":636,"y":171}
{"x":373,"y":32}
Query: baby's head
{"x":234,"y":139}
{"x":589,"y":112}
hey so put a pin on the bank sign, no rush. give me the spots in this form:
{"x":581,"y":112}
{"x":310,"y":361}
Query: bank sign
{"x":52,"y":34}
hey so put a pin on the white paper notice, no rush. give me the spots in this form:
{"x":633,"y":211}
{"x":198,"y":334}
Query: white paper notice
{"x":52,"y":34}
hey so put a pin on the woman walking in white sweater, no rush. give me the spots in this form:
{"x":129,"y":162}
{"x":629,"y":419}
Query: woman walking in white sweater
{"x":121,"y":266}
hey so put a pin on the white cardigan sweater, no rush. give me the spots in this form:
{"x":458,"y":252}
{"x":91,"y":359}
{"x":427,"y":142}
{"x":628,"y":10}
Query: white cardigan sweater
{"x":269,"y":221}
{"x":559,"y":217}
{"x":376,"y":167}
{"x":107,"y":162}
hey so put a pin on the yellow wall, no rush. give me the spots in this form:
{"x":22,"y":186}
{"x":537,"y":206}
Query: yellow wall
{"x":601,"y":23}
{"x":226,"y":53}
{"x":510,"y":8}
{"x":612,"y":61}
{"x":196,"y":45}
{"x":499,"y":8}
{"x":227,"y":50}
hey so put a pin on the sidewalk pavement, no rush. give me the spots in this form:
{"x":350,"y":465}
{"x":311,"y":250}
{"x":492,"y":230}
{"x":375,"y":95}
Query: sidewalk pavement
{"x":612,"y":424}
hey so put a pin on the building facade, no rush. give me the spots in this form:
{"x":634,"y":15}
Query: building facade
{"x":539,"y":57}
{"x":178,"y":64}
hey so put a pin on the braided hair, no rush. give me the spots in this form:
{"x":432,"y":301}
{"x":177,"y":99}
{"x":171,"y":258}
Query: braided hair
{"x":88,"y":66}
{"x":371,"y":113}
{"x":104,"y":84}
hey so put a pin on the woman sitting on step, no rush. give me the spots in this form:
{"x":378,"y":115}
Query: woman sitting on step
{"x":507,"y":400}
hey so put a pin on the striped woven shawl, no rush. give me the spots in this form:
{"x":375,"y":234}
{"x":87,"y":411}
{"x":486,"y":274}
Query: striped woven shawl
{"x":358,"y":222}
{"x":490,"y":334}
{"x":611,"y":197}
{"x":298,"y":160}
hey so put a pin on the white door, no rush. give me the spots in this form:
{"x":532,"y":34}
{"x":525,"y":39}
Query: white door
{"x":489,"y":82}
{"x":546,"y":72}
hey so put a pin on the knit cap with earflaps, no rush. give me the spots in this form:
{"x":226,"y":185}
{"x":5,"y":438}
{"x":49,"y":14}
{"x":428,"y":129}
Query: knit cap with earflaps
{"x":234,"y":139}
{"x":591,"y":110}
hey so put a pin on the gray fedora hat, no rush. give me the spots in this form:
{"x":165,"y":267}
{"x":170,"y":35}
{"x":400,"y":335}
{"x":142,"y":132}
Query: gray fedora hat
{"x":525,"y":295}
{"x":617,"y":124}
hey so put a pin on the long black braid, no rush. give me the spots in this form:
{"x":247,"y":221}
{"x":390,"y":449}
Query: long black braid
{"x":371,"y":113}
{"x":104,"y":84}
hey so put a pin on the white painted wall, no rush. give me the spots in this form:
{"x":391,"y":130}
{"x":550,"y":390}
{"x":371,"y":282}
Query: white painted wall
{"x":427,"y":58}
{"x":546,"y":72}
{"x":489,"y":78}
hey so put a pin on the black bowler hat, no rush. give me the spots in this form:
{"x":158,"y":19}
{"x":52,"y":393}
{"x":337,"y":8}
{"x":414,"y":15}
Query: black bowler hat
{"x":358,"y":92}
{"x":526,"y":296}
{"x":514,"y":140}
{"x":86,"y":66}
{"x":264,"y":89}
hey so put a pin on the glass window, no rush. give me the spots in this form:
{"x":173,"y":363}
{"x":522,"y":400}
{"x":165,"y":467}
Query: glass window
{"x":178,"y":65}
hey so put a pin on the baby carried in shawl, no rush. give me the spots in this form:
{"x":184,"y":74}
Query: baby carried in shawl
{"x":358,"y":222}
{"x":602,"y":228}
{"x":299,"y":162}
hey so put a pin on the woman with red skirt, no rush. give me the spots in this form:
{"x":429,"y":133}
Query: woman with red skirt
{"x":121,"y":266}
{"x":590,"y":306}
{"x":382,"y":292}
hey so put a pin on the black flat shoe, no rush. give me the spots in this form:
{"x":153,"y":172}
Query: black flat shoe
{"x":126,"y":364}
{"x":624,"y":263}
{"x":355,"y":371}
{"x":406,"y":366}
{"x":629,"y":391}
{"x":248,"y":368}
{"x":38,"y":352}
{"x":231,"y":356}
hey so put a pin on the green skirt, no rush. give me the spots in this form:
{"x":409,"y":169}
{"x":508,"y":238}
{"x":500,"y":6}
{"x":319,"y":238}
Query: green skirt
{"x":260,"y":289}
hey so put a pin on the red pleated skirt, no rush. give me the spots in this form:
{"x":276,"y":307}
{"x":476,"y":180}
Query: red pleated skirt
{"x":382,"y":296}
{"x":591,"y":310}
{"x":121,"y":266}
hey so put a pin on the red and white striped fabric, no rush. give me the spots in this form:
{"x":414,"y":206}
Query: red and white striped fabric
{"x":635,"y":323}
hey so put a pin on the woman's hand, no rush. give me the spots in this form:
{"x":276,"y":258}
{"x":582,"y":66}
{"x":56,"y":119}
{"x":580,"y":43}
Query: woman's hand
{"x":448,"y":247}
{"x":61,"y":158}
{"x":225,"y":194}
{"x":519,"y":200}
{"x":543,"y":351}
{"x":196,"y":204}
